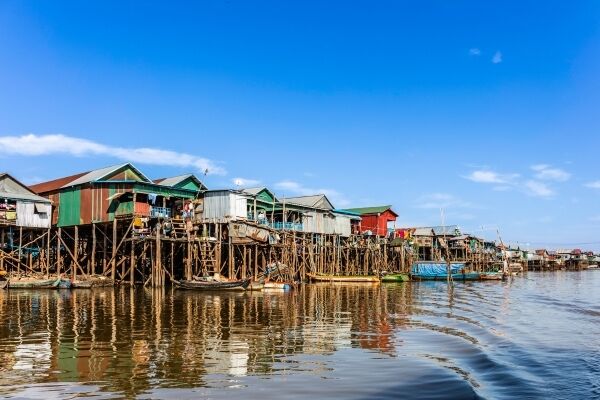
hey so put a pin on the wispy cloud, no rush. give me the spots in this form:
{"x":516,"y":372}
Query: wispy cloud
{"x":442,"y":200}
{"x":489,"y":176}
{"x":245,"y":182}
{"x":548,"y":173}
{"x":294,"y":188}
{"x":593,"y":185}
{"x":39,"y":145}
{"x":497,"y":58}
{"x":474,"y":51}
{"x":538,"y":189}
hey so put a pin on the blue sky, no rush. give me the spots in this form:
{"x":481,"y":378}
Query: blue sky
{"x":486,"y":110}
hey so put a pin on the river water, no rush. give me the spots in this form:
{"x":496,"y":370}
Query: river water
{"x":536,"y":336}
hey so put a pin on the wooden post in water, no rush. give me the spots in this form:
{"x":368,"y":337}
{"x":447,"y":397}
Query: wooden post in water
{"x":92,"y":269}
{"x":132,"y":262}
{"x":156,"y":282}
{"x":113,"y":267}
{"x":20,"y":249}
{"x":58,"y":257}
{"x":75,"y":254}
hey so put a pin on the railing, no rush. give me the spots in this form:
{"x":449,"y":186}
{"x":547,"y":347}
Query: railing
{"x":288,"y":226}
{"x":160,"y":212}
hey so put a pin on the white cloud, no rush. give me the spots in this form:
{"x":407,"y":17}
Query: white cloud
{"x":538,"y":189}
{"x":547,"y":173}
{"x":245,"y":182}
{"x":442,"y":200}
{"x":293,"y":188}
{"x":497,"y":59}
{"x":474,"y":51}
{"x":489,"y":176}
{"x":38,"y":145}
{"x":593,"y":185}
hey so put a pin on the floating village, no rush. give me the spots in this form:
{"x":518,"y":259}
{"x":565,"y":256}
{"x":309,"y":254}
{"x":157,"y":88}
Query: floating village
{"x":116,"y":226}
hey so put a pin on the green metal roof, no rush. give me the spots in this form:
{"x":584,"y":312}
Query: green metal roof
{"x":370,"y":210}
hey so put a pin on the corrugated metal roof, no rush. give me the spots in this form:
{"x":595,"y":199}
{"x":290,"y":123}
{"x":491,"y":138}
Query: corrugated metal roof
{"x":314,"y":201}
{"x":100,"y":173}
{"x":51,"y":186}
{"x":11,"y":188}
{"x":372,"y":210}
{"x":449,"y":230}
{"x":82,"y":178}
{"x":175,"y":180}
{"x":255,"y":191}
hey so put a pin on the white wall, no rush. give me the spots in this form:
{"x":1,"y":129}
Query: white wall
{"x":28,"y":217}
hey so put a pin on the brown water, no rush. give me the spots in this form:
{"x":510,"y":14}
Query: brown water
{"x":532,"y":337}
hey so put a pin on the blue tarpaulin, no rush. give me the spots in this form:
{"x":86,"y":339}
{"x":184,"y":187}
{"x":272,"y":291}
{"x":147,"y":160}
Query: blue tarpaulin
{"x":436,"y":269}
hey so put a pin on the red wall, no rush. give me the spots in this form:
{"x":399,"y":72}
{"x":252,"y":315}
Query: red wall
{"x":376,"y":224}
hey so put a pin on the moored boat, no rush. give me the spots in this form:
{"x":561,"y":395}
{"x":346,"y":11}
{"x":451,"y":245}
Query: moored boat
{"x":438,"y":271}
{"x":256,"y":286}
{"x":399,"y":277}
{"x":342,"y":278}
{"x":212,"y":285}
{"x":34,"y":283}
{"x":92,"y":282}
{"x":276,"y":286}
{"x":491,"y":276}
{"x":3,"y":285}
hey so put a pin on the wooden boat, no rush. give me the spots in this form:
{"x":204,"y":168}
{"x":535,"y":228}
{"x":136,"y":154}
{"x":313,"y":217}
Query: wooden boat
{"x":438,"y":271}
{"x":92,"y":283}
{"x":212,"y":285}
{"x":342,"y":278}
{"x":395,"y":278}
{"x":256,"y":286}
{"x":492,"y":276}
{"x":277,"y":286}
{"x":34,"y":284}
{"x":63,"y":283}
{"x":3,"y":285}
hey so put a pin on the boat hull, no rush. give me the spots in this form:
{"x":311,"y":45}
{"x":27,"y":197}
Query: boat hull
{"x":3,"y":285}
{"x":342,"y":278}
{"x":492,"y":276}
{"x":276,"y":286}
{"x":469,"y":276}
{"x":35,"y":284}
{"x":395,"y":278}
{"x":92,"y":283}
{"x":212,"y":285}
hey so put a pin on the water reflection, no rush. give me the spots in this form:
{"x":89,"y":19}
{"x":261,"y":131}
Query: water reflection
{"x":134,"y":339}
{"x":475,"y":339}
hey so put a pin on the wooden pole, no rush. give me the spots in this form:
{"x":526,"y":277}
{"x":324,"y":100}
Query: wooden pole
{"x":92,"y":269}
{"x":58,"y":257}
{"x":132,"y":263}
{"x":20,"y":248}
{"x":113,"y":267}
{"x":75,"y":254}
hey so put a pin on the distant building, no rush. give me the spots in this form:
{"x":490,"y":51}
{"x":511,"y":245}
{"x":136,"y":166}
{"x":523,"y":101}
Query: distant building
{"x":21,"y":207}
{"x":117,"y":191}
{"x":376,"y":220}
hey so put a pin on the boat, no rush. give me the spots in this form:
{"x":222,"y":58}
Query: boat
{"x":92,"y":282}
{"x":438,"y":271}
{"x":395,"y":277}
{"x":3,"y":285}
{"x":342,"y":278}
{"x":277,"y":286}
{"x":34,"y":284}
{"x":256,"y":286}
{"x":492,"y":276}
{"x":63,"y":283}
{"x":212,"y":285}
